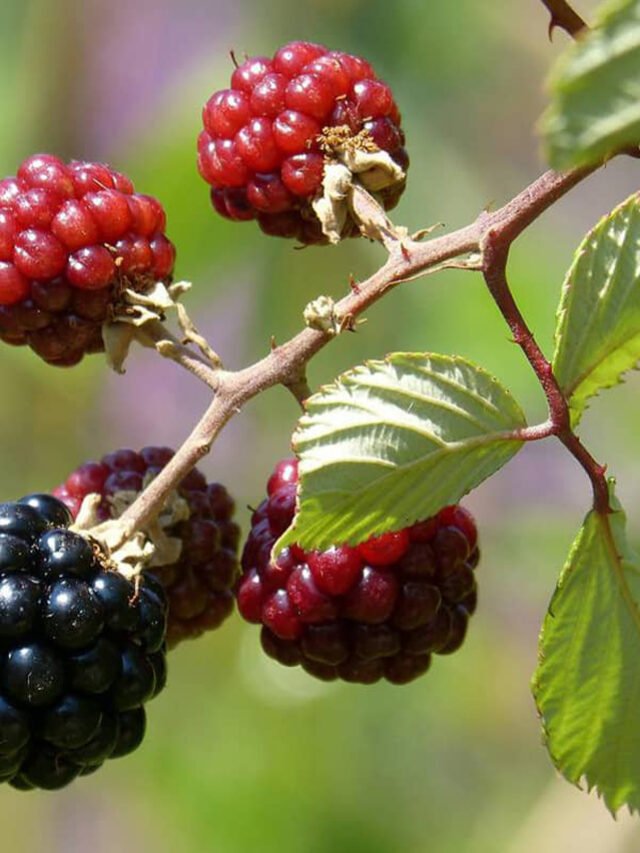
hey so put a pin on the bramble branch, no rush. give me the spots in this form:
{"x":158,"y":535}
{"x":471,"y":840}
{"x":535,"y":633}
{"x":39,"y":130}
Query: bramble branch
{"x":285,"y":364}
{"x":495,"y":254}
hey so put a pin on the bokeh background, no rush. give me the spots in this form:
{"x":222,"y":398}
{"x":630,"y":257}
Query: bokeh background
{"x":240,"y":754}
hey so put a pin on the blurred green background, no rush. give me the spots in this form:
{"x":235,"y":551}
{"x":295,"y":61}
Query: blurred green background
{"x":241,"y":754}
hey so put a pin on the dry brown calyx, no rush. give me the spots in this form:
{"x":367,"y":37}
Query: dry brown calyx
{"x":349,"y":159}
{"x":133,"y":310}
{"x":130,"y":553}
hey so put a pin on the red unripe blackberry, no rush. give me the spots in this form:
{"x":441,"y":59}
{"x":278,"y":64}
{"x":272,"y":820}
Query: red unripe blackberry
{"x":73,"y":236}
{"x":199,"y":583}
{"x":263,"y":147}
{"x":378,"y":610}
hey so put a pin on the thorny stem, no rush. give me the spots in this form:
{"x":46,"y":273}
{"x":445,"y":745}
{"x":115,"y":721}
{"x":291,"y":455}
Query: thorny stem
{"x":495,"y":254}
{"x":285,"y":364}
{"x":563,"y":16}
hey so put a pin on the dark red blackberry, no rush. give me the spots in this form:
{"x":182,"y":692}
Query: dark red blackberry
{"x":72,"y":238}
{"x":377,"y":610}
{"x":71,"y":673}
{"x":200,"y":581}
{"x":267,"y":139}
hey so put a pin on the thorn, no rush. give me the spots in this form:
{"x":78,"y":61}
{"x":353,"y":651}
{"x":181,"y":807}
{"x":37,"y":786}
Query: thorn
{"x":406,"y":254}
{"x":424,"y":232}
{"x":353,"y":284}
{"x":552,"y":25}
{"x":272,"y":343}
{"x":233,"y":58}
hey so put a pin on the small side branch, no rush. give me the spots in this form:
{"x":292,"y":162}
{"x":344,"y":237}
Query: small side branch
{"x":300,"y":389}
{"x":495,"y":255}
{"x":595,"y":471}
{"x":155,"y":334}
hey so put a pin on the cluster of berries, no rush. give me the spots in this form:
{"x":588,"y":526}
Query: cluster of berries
{"x":81,"y":649}
{"x":72,"y":237}
{"x":199,"y":584}
{"x":377,"y":610}
{"x":261,"y":149}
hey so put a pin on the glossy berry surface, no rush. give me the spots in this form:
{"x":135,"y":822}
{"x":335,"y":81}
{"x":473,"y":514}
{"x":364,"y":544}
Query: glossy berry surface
{"x":261,"y":148}
{"x":76,"y":665}
{"x":199,"y":584}
{"x":379,"y":610}
{"x":73,"y":236}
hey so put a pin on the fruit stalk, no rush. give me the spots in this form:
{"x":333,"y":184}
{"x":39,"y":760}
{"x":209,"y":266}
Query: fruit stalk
{"x":169,"y":346}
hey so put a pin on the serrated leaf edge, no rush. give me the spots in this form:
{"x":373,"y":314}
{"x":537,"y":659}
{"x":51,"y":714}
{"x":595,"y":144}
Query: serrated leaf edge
{"x":288,"y":537}
{"x":578,"y":408}
{"x":618,"y":562}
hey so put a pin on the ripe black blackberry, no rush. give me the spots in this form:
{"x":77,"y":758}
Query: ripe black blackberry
{"x":73,"y":237}
{"x":199,"y":583}
{"x":377,"y":610}
{"x":82,"y":649}
{"x":268,"y":138}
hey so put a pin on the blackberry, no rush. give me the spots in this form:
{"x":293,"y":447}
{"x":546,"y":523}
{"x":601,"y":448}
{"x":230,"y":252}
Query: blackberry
{"x":72,"y":238}
{"x":379,"y":610}
{"x":73,"y":678}
{"x":267,"y":138}
{"x":200,"y":581}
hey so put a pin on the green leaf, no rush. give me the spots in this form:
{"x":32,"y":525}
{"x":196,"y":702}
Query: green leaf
{"x":598,"y":329}
{"x":393,"y":441}
{"x":595,"y":87}
{"x":587,"y":685}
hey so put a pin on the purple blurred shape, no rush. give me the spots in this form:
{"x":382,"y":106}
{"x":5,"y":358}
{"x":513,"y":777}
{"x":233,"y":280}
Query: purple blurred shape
{"x":135,"y":52}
